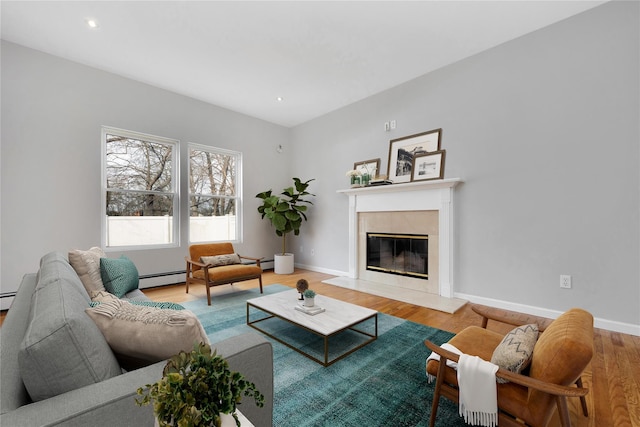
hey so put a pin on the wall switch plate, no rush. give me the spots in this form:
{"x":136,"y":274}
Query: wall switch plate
{"x":565,"y":281}
{"x":393,"y":124}
{"x":387,"y":127}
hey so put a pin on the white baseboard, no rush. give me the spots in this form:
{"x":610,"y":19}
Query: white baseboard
{"x":322,"y":270}
{"x":171,"y":279}
{"x":610,"y":325}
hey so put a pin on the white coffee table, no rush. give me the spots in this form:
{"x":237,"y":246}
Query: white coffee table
{"x":337,"y":317}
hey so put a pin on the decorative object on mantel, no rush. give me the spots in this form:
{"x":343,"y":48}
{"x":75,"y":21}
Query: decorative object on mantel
{"x":356,"y":178}
{"x":302,"y":285}
{"x":428,"y":166}
{"x":368,"y":169}
{"x":196,"y":389}
{"x":309,"y":298}
{"x":403,"y":150}
{"x":285,"y":214}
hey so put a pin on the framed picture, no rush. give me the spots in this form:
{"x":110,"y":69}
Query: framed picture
{"x":402,"y":151}
{"x":428,"y":166}
{"x":372,"y":167}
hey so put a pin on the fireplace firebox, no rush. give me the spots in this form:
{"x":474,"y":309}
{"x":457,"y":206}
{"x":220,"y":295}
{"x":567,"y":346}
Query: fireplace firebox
{"x":402,"y":254}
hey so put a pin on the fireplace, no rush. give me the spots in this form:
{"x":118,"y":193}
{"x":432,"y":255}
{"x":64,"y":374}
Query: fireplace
{"x":416,"y":208}
{"x":401,"y":254}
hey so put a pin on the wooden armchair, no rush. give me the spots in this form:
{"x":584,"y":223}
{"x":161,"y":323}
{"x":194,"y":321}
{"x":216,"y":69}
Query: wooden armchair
{"x":562,"y":352}
{"x":220,"y":266}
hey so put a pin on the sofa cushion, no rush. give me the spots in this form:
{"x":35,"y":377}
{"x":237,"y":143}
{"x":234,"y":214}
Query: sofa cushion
{"x":104,"y":296}
{"x":62,"y":348}
{"x":146,"y":333}
{"x":516,"y":349}
{"x":87,"y":265}
{"x":217,"y":260}
{"x":119,"y":275}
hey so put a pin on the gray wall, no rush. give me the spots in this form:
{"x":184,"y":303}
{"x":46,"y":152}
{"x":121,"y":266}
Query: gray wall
{"x":52,"y":111}
{"x":544,"y":132}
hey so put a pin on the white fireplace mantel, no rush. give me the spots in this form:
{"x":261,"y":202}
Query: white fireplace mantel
{"x":413,"y":196}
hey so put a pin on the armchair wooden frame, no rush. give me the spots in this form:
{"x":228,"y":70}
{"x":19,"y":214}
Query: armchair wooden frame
{"x":560,"y":393}
{"x":220,"y":275}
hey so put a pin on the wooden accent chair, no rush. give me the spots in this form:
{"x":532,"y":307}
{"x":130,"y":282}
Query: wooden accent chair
{"x":562,"y":352}
{"x":209,"y":274}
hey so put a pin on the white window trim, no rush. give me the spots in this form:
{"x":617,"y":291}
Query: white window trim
{"x":239,"y":187}
{"x":175,"y":184}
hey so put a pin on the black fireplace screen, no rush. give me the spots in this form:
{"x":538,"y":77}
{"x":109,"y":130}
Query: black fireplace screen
{"x":403,"y":254}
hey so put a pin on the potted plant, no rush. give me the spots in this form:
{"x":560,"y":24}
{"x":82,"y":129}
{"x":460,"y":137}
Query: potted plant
{"x":309,"y":298}
{"x":196,"y":389}
{"x":285,"y":212}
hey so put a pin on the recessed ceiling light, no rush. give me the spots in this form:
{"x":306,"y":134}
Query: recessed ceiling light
{"x":92,"y":23}
{"x":279,"y":99}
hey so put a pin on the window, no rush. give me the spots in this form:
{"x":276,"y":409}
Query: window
{"x":140,"y":177}
{"x":214,"y":195}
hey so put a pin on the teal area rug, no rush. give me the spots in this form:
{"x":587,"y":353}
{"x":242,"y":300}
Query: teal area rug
{"x":381,"y":384}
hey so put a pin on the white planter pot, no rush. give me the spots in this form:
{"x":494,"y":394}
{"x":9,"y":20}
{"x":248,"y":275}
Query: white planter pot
{"x":283,"y":263}
{"x":227,"y":420}
{"x":309,"y":302}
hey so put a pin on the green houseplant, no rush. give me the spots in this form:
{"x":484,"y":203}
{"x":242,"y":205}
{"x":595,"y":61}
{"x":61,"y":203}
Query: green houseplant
{"x":196,"y":388}
{"x":286,"y":211}
{"x":309,"y":298}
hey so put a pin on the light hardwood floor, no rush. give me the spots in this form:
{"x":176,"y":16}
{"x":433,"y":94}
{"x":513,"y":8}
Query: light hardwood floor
{"x":613,"y":377}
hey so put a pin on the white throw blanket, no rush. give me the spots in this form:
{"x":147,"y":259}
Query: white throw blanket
{"x":478,"y":394}
{"x":477,"y":387}
{"x":436,"y":356}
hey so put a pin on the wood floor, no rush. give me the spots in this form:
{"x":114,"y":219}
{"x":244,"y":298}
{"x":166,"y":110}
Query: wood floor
{"x":613,"y":376}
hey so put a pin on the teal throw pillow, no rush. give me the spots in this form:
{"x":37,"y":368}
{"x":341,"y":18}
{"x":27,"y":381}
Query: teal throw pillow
{"x":119,"y":276}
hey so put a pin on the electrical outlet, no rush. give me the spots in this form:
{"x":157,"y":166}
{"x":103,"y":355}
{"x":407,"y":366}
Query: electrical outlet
{"x":387,"y":127}
{"x":565,"y":281}
{"x":393,"y":124}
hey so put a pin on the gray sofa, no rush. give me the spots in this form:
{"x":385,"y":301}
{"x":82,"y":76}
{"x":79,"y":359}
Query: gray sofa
{"x":95,"y":392}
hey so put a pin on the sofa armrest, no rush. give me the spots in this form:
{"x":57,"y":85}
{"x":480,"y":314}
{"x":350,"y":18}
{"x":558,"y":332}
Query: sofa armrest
{"x":106,"y":403}
{"x":112,"y":402}
{"x":252,"y":355}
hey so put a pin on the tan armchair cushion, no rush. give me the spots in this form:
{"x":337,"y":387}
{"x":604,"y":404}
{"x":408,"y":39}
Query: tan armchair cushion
{"x":229,"y":272}
{"x":564,"y":349}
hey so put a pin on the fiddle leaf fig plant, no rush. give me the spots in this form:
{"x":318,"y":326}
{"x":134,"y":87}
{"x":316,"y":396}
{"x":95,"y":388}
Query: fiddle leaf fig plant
{"x":286,"y":211}
{"x":196,"y":388}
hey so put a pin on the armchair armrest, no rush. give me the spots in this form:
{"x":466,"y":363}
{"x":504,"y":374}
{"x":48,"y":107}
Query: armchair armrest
{"x":198,"y":263}
{"x":257,"y":260}
{"x":523,"y":380}
{"x":504,"y":316}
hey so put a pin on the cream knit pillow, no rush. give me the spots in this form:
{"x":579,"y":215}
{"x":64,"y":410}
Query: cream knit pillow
{"x":87,"y":266}
{"x":146,"y":333}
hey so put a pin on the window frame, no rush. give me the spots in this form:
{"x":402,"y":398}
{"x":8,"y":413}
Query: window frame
{"x":175,"y":186}
{"x":238,"y":197}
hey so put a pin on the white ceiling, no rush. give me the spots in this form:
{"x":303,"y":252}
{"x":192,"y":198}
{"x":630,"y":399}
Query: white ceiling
{"x":317,"y":56}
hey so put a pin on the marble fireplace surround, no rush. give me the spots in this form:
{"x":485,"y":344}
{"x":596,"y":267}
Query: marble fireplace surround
{"x":427,"y":203}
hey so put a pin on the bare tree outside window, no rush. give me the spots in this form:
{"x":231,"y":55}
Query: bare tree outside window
{"x":139,"y":174}
{"x":213,"y":194}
